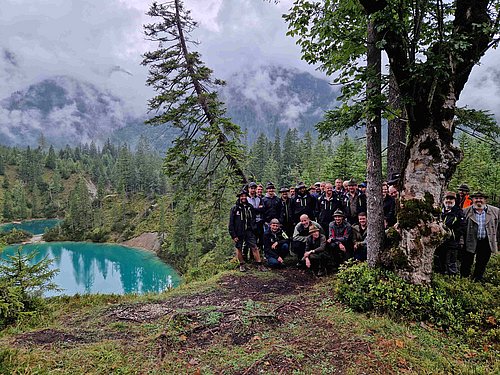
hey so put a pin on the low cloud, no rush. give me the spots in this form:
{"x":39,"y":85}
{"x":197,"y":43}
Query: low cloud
{"x":102,"y":41}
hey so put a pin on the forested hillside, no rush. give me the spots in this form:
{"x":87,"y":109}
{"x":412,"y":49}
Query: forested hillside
{"x":82,"y":184}
{"x":91,"y":186}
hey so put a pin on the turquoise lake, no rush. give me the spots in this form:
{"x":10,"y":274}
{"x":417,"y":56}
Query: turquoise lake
{"x":89,"y":268}
{"x":32,"y":226}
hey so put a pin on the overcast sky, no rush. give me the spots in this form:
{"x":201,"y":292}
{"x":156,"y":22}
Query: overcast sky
{"x":101,"y":41}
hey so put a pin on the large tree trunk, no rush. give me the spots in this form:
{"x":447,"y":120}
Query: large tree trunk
{"x":375,"y":214}
{"x":430,"y":88}
{"x":431,"y":163}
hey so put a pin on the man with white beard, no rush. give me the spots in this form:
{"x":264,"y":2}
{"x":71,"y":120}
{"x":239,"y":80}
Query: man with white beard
{"x":482,"y":236}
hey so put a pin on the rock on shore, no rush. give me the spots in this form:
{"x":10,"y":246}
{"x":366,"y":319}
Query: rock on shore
{"x":147,"y":241}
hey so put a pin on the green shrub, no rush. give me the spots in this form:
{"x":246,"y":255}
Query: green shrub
{"x":15,"y":236}
{"x":54,"y":234}
{"x":99,"y":235}
{"x":451,"y":303}
{"x":11,"y":304}
{"x":22,"y":285}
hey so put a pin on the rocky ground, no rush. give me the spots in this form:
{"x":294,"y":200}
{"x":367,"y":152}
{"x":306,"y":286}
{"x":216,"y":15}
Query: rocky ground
{"x":146,"y":241}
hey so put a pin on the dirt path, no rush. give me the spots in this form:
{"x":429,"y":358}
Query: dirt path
{"x":276,"y":314}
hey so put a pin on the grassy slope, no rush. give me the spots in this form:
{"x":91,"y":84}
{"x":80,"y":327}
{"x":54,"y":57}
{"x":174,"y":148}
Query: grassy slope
{"x":279,"y":322}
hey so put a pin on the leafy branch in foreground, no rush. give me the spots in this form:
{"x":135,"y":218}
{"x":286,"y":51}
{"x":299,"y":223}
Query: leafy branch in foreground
{"x":207,"y":143}
{"x":479,"y":124}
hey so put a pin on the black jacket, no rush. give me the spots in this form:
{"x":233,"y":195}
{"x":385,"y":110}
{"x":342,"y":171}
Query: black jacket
{"x":241,"y":218}
{"x":454,"y":220}
{"x":270,"y":238}
{"x":303,"y":204}
{"x":272,"y":208}
{"x":390,"y":210}
{"x":286,"y":212}
{"x":325,"y":209}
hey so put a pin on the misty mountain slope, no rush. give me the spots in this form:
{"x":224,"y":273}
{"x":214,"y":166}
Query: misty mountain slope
{"x":267,"y":98}
{"x":64,"y":109}
{"x":70,"y":111}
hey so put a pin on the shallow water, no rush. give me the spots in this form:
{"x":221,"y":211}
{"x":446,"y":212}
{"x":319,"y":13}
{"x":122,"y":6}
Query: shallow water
{"x":32,"y":226}
{"x":89,"y":268}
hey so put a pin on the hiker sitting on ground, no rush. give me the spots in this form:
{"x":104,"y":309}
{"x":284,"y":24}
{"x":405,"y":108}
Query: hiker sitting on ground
{"x":276,"y":244}
{"x":359,"y":232}
{"x":316,"y":255}
{"x":340,"y":237}
{"x":300,"y":235}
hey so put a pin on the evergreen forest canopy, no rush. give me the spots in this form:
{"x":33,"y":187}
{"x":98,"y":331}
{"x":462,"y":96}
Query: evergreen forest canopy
{"x":74,"y":182}
{"x":83,"y":182}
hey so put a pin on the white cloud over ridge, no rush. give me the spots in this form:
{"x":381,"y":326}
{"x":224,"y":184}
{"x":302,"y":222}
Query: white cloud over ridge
{"x":102,"y":42}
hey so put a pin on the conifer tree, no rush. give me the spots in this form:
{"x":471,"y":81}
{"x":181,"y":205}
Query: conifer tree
{"x":187,"y":100}
{"x":50,"y":162}
{"x":7,"y":209}
{"x":19,"y":201}
{"x":276,"y":153}
{"x":290,"y":157}
{"x":2,"y":165}
{"x":79,"y":216}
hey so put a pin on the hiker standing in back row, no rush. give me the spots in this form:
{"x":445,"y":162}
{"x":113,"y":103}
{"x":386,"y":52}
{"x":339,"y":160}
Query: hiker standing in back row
{"x":482,"y":236}
{"x":303,"y":203}
{"x":242,"y":230}
{"x":256,"y":202}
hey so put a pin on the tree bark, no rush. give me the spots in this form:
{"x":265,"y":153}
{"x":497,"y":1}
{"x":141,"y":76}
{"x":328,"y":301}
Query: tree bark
{"x":430,"y":104}
{"x":375,"y":214}
{"x":201,"y":97}
{"x":396,"y":131}
{"x":430,"y":166}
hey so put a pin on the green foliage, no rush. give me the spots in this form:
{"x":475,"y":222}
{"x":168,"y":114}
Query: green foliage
{"x":14,"y":236}
{"x":55,"y":234}
{"x":339,"y":120}
{"x":480,"y":167}
{"x":472,"y":121}
{"x":78,"y":220}
{"x":207,"y":150}
{"x":451,"y":303}
{"x":22,"y":285}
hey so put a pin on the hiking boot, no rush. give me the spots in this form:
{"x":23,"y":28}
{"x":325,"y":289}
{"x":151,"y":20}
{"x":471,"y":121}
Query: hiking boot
{"x":243,"y":268}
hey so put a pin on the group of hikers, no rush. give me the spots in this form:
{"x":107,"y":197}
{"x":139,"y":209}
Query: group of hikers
{"x":325,"y":224}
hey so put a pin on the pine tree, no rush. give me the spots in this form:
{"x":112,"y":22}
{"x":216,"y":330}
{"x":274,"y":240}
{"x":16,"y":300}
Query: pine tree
{"x":50,"y":162}
{"x":42,"y":142}
{"x":7,"y":209}
{"x":19,"y":201}
{"x":259,"y":154}
{"x":36,"y":206}
{"x":79,"y":214}
{"x":290,"y":164}
{"x":187,"y":100}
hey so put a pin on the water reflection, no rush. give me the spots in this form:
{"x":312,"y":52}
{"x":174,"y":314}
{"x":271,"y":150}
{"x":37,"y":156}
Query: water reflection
{"x":103,"y":268}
